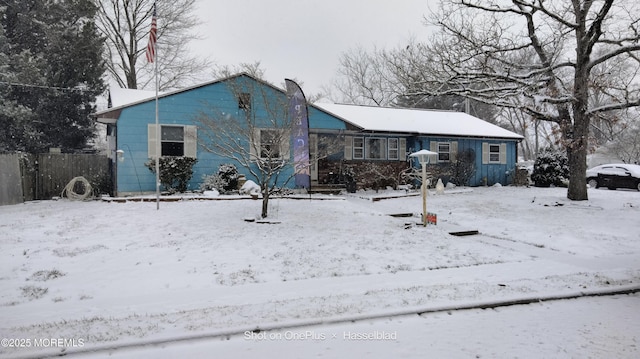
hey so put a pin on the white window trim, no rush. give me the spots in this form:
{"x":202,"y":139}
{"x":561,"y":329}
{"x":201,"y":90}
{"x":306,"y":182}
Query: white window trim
{"x":190,"y":139}
{"x":256,"y":144}
{"x":493,"y":146}
{"x":486,"y":154}
{"x":350,"y":148}
{"x":183,"y":141}
{"x":434,"y":146}
{"x":447,"y":152}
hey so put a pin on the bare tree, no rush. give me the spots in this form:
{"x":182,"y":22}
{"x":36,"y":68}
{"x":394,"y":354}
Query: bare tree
{"x":540,"y":57}
{"x":393,"y":77}
{"x":253,"y":69}
{"x":610,"y":126}
{"x":257,"y":136}
{"x":126,"y":23}
{"x":364,"y":79}
{"x":239,"y":137}
{"x":256,"y":70}
{"x":626,"y":145}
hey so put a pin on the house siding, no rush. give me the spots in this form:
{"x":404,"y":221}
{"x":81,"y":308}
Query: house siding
{"x":180,"y":109}
{"x":485,"y":173}
{"x":319,"y":120}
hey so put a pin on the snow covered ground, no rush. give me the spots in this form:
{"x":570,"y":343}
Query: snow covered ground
{"x":101,"y":275}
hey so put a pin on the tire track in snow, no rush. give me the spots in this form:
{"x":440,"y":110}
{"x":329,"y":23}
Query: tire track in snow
{"x":225,"y":335}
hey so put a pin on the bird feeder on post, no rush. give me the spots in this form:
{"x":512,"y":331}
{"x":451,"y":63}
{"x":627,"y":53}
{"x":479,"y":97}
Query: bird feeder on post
{"x":424,"y":157}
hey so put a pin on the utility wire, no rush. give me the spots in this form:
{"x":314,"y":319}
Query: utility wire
{"x":42,"y":86}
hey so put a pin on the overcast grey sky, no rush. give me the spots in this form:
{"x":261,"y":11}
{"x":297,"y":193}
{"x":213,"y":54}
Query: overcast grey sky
{"x":303,"y":38}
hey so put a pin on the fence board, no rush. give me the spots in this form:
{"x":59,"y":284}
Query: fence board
{"x":28,"y":171}
{"x":10,"y":180}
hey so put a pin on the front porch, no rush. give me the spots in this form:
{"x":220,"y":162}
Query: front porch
{"x":335,"y":176}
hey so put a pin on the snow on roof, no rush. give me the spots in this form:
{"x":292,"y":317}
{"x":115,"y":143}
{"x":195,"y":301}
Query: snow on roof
{"x":426,"y":122}
{"x":122,"y":97}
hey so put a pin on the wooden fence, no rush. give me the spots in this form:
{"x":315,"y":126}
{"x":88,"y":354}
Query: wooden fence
{"x":10,"y":180}
{"x":44,"y":176}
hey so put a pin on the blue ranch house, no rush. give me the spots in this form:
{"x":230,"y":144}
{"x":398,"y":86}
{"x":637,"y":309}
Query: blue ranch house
{"x":373,"y":143}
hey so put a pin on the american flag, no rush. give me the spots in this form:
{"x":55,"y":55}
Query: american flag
{"x":151,"y":46}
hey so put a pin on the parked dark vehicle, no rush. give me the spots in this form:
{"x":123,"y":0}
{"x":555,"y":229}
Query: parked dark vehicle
{"x":614,"y":176}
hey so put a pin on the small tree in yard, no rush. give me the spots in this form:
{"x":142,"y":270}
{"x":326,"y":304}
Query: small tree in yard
{"x":240,"y":137}
{"x":256,"y":135}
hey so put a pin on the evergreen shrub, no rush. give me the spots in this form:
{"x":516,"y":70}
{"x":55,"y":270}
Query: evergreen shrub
{"x":551,"y":168}
{"x":175,"y":172}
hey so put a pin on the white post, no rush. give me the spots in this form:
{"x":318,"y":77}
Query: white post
{"x":424,"y":194}
{"x":423,"y":157}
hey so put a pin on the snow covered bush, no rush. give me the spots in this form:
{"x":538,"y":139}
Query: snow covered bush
{"x":250,"y":188}
{"x":376,"y":176}
{"x":210,"y":182}
{"x":458,"y":172}
{"x":228,"y":174}
{"x":175,"y":172}
{"x":550,"y":168}
{"x":225,"y":181}
{"x":211,"y":193}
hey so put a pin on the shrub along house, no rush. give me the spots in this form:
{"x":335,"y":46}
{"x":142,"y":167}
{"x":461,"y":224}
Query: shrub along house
{"x":373,"y":142}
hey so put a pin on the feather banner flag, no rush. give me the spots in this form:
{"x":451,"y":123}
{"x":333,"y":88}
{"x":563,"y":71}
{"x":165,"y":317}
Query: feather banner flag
{"x":298,"y":115}
{"x":153,"y":33}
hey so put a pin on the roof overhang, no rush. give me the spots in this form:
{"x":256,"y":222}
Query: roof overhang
{"x":108,"y":116}
{"x":107,"y":120}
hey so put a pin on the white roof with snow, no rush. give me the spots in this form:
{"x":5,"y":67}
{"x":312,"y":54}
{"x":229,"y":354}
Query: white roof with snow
{"x":122,"y":97}
{"x":420,"y":121}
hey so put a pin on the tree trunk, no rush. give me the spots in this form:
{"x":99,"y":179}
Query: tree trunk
{"x":578,"y":143}
{"x":265,"y":202}
{"x":577,"y":171}
{"x":132,"y":77}
{"x":577,"y":156}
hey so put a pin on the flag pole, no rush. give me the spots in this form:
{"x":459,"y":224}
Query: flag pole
{"x":158,"y":130}
{"x":151,"y":54}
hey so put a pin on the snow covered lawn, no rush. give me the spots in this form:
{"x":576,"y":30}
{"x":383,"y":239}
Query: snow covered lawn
{"x":108,"y":274}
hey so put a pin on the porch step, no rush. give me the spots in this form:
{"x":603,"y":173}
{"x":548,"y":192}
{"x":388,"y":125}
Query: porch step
{"x":327,"y":189}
